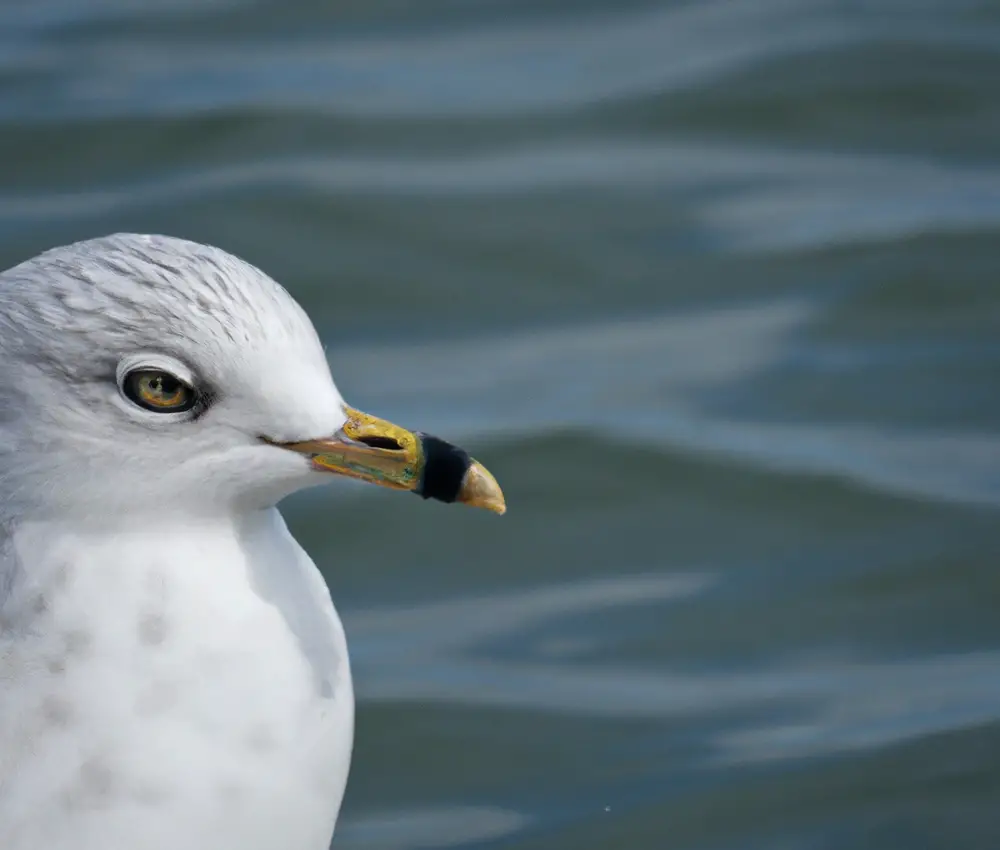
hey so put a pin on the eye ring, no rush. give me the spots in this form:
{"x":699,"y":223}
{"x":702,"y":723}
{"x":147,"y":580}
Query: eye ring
{"x":158,"y":391}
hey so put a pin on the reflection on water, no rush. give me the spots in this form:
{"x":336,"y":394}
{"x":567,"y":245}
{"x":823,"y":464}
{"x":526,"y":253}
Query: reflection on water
{"x":441,"y":651}
{"x":457,"y":826}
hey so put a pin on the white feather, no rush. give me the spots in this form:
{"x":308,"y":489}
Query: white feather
{"x":172,"y":669}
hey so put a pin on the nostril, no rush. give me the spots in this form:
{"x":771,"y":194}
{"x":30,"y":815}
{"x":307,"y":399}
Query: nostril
{"x":381,"y":443}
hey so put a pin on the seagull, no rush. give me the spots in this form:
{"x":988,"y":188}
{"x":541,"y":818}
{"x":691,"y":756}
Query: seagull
{"x":173,"y":673}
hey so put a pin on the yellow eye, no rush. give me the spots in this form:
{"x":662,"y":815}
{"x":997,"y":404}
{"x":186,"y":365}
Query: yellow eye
{"x":159,"y":391}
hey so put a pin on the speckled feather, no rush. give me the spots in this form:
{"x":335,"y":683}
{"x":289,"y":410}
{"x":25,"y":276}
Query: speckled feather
{"x":172,"y":669}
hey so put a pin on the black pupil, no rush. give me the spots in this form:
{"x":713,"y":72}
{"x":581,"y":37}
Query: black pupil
{"x":164,"y":385}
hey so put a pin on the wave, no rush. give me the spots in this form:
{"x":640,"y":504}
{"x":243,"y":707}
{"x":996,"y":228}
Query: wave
{"x":643,"y":383}
{"x":519,"y":64}
{"x":839,"y":702}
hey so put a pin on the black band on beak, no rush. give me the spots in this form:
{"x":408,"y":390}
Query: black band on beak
{"x":445,"y":466}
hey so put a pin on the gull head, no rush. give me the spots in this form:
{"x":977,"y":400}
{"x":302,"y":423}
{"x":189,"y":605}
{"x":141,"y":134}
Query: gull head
{"x":147,"y":373}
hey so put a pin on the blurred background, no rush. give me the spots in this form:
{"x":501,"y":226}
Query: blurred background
{"x":712,"y":287}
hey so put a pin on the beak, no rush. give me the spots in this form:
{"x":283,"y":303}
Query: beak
{"x":379,"y":452}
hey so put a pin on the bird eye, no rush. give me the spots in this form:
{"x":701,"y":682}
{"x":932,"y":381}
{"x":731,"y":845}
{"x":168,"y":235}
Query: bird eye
{"x":159,"y":391}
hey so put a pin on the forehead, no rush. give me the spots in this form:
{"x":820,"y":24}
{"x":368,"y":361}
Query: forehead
{"x":92,"y":302}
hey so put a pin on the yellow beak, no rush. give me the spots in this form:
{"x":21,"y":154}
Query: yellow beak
{"x":377,"y":451}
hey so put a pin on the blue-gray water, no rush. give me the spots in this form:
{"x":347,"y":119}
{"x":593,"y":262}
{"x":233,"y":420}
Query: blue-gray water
{"x":712,"y":287}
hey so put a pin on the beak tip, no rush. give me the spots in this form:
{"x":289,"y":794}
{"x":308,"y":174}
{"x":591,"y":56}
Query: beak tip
{"x":480,"y":490}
